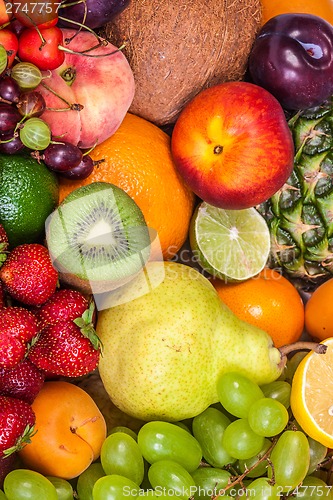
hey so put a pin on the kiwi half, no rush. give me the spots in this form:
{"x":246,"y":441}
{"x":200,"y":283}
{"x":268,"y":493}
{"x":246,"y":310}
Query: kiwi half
{"x":97,"y":238}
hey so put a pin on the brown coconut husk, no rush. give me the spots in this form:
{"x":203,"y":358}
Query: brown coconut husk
{"x":178,"y":47}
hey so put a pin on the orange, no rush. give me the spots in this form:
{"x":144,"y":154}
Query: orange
{"x":319,"y":312}
{"x":268,"y":301}
{"x":321,"y":8}
{"x":137,"y":158}
{"x":311,"y":395}
{"x":70,"y":431}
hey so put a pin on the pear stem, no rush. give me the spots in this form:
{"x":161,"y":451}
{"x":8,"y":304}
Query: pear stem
{"x":300,"y":346}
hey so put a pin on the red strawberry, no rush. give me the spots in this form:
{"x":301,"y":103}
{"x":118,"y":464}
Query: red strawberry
{"x":68,"y":348}
{"x":22,"y":382}
{"x":28,"y":274}
{"x":18,"y":326}
{"x":2,"y":296}
{"x":63,"y":305}
{"x":3,"y":245}
{"x":17,"y":420}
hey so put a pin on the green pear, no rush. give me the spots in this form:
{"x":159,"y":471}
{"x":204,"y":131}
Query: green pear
{"x":164,"y":350}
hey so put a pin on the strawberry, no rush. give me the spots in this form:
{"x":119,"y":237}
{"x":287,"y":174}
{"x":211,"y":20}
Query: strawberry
{"x":68,"y":348}
{"x":64,"y":304}
{"x":18,"y":327}
{"x":22,"y":382}
{"x":17,"y":420}
{"x":28,"y":274}
{"x":2,"y":296}
{"x":3,"y":245}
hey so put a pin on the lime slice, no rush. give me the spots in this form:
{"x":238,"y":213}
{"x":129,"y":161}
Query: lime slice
{"x":230,"y":244}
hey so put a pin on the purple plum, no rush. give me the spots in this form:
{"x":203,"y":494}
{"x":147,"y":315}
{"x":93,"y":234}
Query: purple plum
{"x":292,"y":58}
{"x":98,"y":12}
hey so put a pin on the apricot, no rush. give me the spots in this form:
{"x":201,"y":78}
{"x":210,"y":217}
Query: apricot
{"x":70,"y":431}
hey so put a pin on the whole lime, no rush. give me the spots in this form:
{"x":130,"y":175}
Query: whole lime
{"x":28,"y":194}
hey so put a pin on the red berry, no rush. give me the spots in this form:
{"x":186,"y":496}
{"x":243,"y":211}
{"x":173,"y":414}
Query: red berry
{"x":22,"y":382}
{"x":67,"y":348}
{"x":18,"y":326}
{"x":65,"y":304}
{"x":17,"y":420}
{"x":28,"y":274}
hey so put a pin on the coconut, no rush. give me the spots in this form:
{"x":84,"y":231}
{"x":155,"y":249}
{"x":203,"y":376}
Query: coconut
{"x":178,"y":47}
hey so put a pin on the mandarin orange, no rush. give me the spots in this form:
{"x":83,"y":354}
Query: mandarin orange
{"x":137,"y":158}
{"x":319,"y":312}
{"x":268,"y":301}
{"x":321,"y":8}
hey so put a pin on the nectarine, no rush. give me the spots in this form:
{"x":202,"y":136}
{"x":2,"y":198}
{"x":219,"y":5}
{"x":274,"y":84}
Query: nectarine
{"x":70,"y":431}
{"x":232,"y":145}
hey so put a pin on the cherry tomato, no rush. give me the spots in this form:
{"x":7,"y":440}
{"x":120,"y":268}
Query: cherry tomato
{"x":9,"y":40}
{"x":47,"y":56}
{"x":32,"y":13}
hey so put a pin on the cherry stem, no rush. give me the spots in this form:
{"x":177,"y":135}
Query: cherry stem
{"x":82,"y":25}
{"x":71,"y":107}
{"x":69,"y":51}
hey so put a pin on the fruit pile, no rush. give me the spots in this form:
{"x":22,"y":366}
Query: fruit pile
{"x":165,"y":285}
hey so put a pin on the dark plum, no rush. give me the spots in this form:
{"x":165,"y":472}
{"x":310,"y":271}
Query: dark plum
{"x":9,"y":117}
{"x":63,"y":156}
{"x":11,"y":144}
{"x":98,"y":12}
{"x":9,"y":89}
{"x":292,"y":58}
{"x":81,"y":171}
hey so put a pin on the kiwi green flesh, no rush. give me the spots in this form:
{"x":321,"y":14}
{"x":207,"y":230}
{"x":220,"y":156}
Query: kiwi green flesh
{"x":98,"y":234}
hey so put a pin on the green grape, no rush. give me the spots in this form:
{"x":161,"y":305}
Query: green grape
{"x":268,"y":417}
{"x":279,"y":390}
{"x":35,"y":134}
{"x":87,"y":479}
{"x":115,"y":487}
{"x":292,"y":364}
{"x":120,"y":454}
{"x":170,"y":477}
{"x":261,"y":489}
{"x":261,"y":468}
{"x":64,"y":488}
{"x":208,"y":428}
{"x":162,"y":440}
{"x":127,"y":430}
{"x":209,"y":481}
{"x":237,"y":393}
{"x":26,"y":75}
{"x":318,"y":453}
{"x":290,"y":458}
{"x":312,"y":487}
{"x":240,"y":441}
{"x":3,"y":59}
{"x":3,"y":496}
{"x":24,"y":484}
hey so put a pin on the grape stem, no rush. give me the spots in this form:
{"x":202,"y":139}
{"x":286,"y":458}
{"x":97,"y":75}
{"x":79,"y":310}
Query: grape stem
{"x":245,"y":473}
{"x":300,"y":346}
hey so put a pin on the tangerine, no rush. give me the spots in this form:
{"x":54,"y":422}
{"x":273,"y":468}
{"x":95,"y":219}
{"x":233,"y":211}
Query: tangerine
{"x":271,"y":8}
{"x":319,"y":312}
{"x":268,"y":301}
{"x":137,"y":158}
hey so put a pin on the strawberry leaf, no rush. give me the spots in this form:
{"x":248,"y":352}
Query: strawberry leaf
{"x":28,"y":433}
